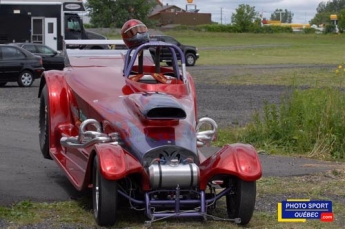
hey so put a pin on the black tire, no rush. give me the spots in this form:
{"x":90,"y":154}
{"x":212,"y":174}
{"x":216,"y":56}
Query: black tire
{"x":169,"y":63}
{"x":2,"y":84}
{"x":104,"y":197}
{"x":26,"y":78}
{"x":43,"y":124}
{"x":241,"y":202}
{"x":190,"y":59}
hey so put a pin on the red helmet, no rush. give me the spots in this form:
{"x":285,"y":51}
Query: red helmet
{"x":134,"y":33}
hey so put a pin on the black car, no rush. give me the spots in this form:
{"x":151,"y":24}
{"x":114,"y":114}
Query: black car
{"x":190,"y":52}
{"x":19,"y":65}
{"x":52,"y":60}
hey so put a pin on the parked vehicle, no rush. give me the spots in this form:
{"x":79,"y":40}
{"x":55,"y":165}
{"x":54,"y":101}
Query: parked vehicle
{"x":19,"y":65}
{"x":127,"y":127}
{"x":52,"y":60}
{"x":190,"y":52}
{"x":44,"y":21}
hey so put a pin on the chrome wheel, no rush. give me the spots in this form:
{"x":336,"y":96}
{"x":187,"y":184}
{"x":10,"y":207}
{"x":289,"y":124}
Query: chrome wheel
{"x":104,"y":196}
{"x":26,"y":79}
{"x":190,"y":59}
{"x":96,"y":190}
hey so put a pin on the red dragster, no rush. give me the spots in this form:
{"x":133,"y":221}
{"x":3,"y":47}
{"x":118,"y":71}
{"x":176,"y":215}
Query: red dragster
{"x":120,"y":123}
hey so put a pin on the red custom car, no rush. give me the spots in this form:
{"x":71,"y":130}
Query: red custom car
{"x":119,"y":123}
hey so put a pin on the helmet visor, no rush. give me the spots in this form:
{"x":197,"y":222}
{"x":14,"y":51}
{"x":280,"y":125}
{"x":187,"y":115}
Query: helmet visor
{"x":140,"y":28}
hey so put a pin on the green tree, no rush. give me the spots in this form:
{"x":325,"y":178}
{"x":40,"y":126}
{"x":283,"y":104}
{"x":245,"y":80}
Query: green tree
{"x":114,"y":13}
{"x":322,"y":18}
{"x":341,"y":21}
{"x":325,"y":9}
{"x":244,"y":17}
{"x":333,"y":6}
{"x":286,"y":16}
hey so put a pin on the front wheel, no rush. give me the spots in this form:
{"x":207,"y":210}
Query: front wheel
{"x":190,"y":59}
{"x":43,"y":123}
{"x":26,"y":78}
{"x":104,"y":196}
{"x":2,"y":84}
{"x":240,"y":202}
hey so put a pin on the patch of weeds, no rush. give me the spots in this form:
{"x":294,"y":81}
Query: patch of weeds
{"x":335,"y":172}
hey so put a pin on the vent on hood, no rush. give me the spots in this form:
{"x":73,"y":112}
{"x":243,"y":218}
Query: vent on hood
{"x":158,"y":106}
{"x":166,"y":113}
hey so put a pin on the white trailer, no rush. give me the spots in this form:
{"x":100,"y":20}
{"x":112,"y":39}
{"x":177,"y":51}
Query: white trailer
{"x":47,"y":22}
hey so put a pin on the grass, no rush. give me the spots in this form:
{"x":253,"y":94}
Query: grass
{"x":270,"y":191}
{"x":253,"y":49}
{"x":240,"y":49}
{"x":308,"y":122}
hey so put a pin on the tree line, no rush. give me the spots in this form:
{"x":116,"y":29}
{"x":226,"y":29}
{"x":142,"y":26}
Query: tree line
{"x":325,"y":9}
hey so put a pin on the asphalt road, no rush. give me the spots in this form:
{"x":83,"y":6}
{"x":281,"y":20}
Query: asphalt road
{"x":24,"y":174}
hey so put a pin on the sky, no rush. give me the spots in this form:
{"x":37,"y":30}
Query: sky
{"x":221,"y":10}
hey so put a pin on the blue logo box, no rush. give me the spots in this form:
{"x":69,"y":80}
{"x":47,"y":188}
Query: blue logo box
{"x":305,"y":209}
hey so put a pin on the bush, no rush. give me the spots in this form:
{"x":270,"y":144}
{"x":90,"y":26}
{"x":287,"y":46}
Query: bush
{"x":216,"y":28}
{"x":255,"y":28}
{"x":329,"y":29}
{"x":309,"y":30}
{"x":307,"y":122}
{"x":88,"y":26}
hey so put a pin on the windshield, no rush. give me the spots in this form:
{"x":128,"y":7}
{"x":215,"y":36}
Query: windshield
{"x":73,"y":24}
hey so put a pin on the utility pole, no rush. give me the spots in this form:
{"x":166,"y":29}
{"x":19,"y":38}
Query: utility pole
{"x":221,"y":15}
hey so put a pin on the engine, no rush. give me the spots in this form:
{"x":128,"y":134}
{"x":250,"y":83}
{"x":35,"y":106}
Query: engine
{"x":170,"y":166}
{"x":173,"y":174}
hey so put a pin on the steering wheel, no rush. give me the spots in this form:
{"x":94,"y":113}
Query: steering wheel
{"x":157,"y":76}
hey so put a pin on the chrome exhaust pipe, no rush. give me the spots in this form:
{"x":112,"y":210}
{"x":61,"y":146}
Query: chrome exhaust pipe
{"x":87,"y":138}
{"x":205,"y":137}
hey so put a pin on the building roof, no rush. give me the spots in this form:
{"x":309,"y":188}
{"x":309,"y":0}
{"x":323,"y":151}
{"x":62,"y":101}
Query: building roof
{"x":159,"y":8}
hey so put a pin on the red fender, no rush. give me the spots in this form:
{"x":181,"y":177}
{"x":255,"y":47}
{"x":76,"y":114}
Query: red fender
{"x":60,"y":114}
{"x":240,"y":160}
{"x":115,"y":163}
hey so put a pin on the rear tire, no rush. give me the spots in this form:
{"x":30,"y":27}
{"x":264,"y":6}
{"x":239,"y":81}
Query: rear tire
{"x":241,"y":203}
{"x":104,"y":196}
{"x":44,"y":123}
{"x":26,"y":78}
{"x":2,"y":84}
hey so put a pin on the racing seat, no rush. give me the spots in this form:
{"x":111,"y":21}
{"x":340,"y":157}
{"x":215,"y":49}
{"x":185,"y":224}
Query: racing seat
{"x":154,"y":78}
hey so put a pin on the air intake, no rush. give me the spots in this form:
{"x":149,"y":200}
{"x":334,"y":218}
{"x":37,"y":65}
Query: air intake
{"x":158,"y":106}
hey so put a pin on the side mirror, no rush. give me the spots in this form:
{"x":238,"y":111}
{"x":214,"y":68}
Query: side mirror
{"x":55,"y":53}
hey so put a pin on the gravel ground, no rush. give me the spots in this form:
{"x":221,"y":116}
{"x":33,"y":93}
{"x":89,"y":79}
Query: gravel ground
{"x":226,"y":104}
{"x":232,"y":105}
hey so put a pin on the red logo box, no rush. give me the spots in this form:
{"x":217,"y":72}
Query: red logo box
{"x":327,"y":217}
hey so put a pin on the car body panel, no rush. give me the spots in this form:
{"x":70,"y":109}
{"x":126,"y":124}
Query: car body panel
{"x":239,"y":159}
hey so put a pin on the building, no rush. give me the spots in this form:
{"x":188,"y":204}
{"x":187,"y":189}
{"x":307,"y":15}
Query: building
{"x":171,"y":14}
